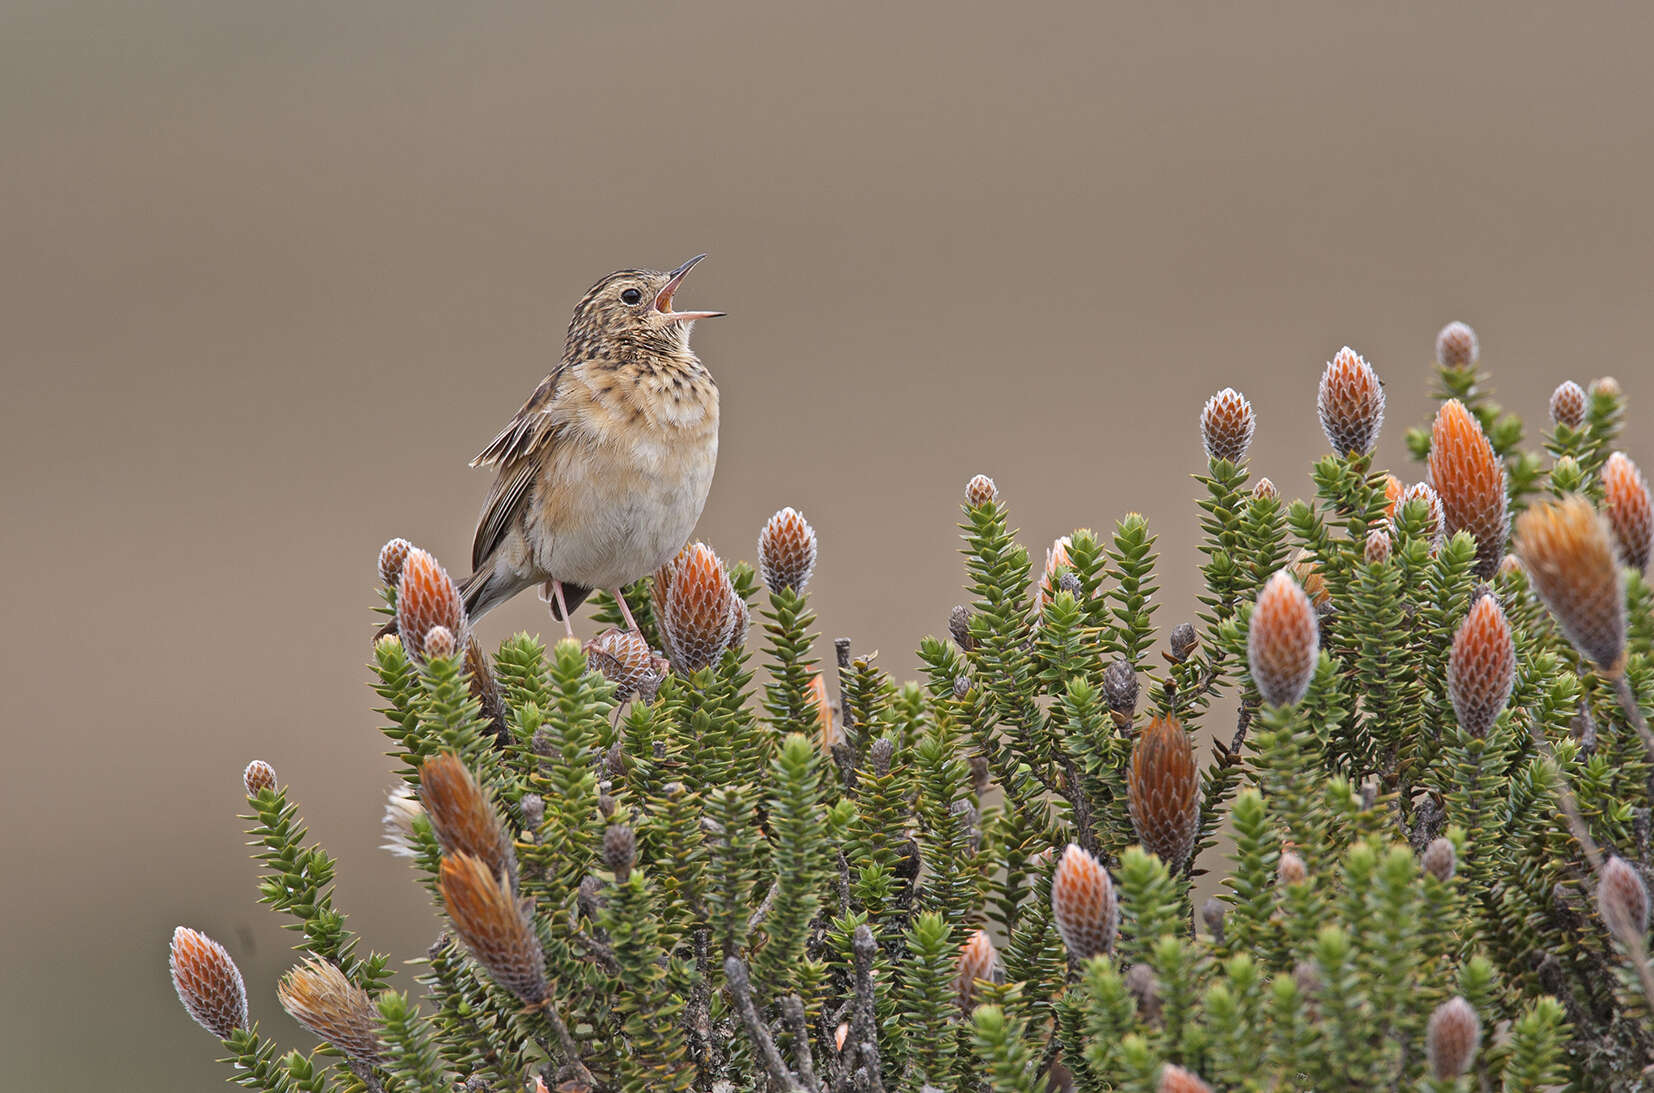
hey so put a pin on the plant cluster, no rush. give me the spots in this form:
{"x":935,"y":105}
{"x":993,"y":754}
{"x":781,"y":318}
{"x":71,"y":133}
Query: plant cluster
{"x":654,"y":872}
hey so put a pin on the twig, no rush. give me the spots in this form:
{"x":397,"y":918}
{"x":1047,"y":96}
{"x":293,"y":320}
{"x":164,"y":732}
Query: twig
{"x":762,"y":911}
{"x":862,"y":1026}
{"x":1633,"y":713}
{"x":792,"y":1008}
{"x":740,"y":987}
{"x":571,"y":1051}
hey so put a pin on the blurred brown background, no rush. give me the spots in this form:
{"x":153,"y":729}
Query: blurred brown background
{"x":273,"y":272}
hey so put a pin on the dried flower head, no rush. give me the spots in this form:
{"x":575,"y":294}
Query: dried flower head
{"x":1630,"y":510}
{"x":1377,"y":550}
{"x":981,"y":491}
{"x":439,"y":643}
{"x":1163,"y":791}
{"x":208,"y":983}
{"x":1226,"y":426}
{"x":1351,"y":404}
{"x":786,"y":551}
{"x":959,"y":627}
{"x":1565,"y":547}
{"x":696,"y":608}
{"x":1481,"y":667}
{"x":1455,"y":1032}
{"x":1471,"y":482}
{"x":1282,"y":642}
{"x":1435,"y":522}
{"x":1212,"y":913}
{"x":1622,"y":900}
{"x":1291,"y":868}
{"x":1264,"y":490}
{"x":494,"y":926}
{"x":1456,"y":346}
{"x":1440,"y":860}
{"x":1183,"y":641}
{"x":1120,"y":688}
{"x":623,"y":658}
{"x":1145,"y":991}
{"x":1568,"y":404}
{"x":1174,"y":1079}
{"x":1084,"y":904}
{"x":318,"y":996}
{"x":425,"y":597}
{"x":462,"y":816}
{"x":978,"y":959}
{"x":391,"y":557}
{"x":620,"y":850}
{"x":402,"y":810}
{"x":258,"y":776}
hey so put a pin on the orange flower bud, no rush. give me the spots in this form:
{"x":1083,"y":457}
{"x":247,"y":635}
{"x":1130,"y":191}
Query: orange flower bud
{"x":208,"y":983}
{"x":1174,"y":1079}
{"x":1481,"y":667}
{"x":1163,"y":791}
{"x":1456,"y":346}
{"x":1565,"y":547}
{"x":978,"y":959}
{"x":426,"y":597}
{"x":462,"y":816}
{"x":1282,"y":642}
{"x":1056,"y":557}
{"x":391,"y":557}
{"x":318,"y":996}
{"x":494,"y":926}
{"x":1454,"y":1034}
{"x":1568,"y":405}
{"x":696,"y":608}
{"x":786,"y":551}
{"x":1084,"y":904}
{"x":1630,"y":510}
{"x":1471,"y":482}
{"x":258,"y":776}
{"x":1226,"y":426}
{"x":1351,"y":404}
{"x":1392,"y":494}
{"x":439,"y":643}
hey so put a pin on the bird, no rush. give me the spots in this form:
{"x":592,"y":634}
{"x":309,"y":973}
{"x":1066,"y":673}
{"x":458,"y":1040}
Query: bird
{"x":603,"y":472}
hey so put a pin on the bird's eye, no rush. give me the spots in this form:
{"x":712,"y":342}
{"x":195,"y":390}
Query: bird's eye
{"x":631,"y":296}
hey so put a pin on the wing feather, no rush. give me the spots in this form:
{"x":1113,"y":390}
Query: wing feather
{"x":519,"y":451}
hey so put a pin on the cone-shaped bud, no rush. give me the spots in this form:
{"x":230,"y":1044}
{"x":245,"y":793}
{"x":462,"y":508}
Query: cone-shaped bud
{"x":1307,"y":574}
{"x":1454,"y":1034}
{"x":1213,"y":912}
{"x":1282,"y":642}
{"x":402,"y":808}
{"x":1564,"y":545}
{"x":1120,"y":691}
{"x":1435,"y":522}
{"x":258,"y":776}
{"x":1607,"y":387}
{"x":439,"y":643}
{"x":1470,"y":480}
{"x":981,"y":491}
{"x":1510,"y":568}
{"x":1481,"y":667}
{"x":1351,"y":404}
{"x":696,"y":608}
{"x":1183,"y":641}
{"x":1145,"y":991}
{"x":318,"y":996}
{"x":1264,"y":490}
{"x":959,"y":627}
{"x":822,"y":706}
{"x":1056,"y":559}
{"x":623,"y":658}
{"x":1226,"y":426}
{"x":1630,"y":510}
{"x":1456,"y":346}
{"x":1568,"y":405}
{"x":462,"y":816}
{"x":1174,"y":1079}
{"x":1084,"y":904}
{"x":978,"y":959}
{"x":1163,"y":791}
{"x":425,"y":597}
{"x":1392,"y":494}
{"x":1440,"y":859}
{"x":391,"y":557}
{"x":1622,"y":900}
{"x":619,"y":850}
{"x":1291,"y":869}
{"x":786,"y":551}
{"x":208,"y":983}
{"x":1377,"y":550}
{"x":494,"y":926}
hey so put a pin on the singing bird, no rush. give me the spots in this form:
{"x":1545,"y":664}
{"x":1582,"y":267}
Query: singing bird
{"x":603,"y":472}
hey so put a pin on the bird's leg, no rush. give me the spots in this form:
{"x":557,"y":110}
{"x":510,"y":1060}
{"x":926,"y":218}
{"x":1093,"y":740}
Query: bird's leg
{"x":626,"y":612}
{"x":556,"y":589}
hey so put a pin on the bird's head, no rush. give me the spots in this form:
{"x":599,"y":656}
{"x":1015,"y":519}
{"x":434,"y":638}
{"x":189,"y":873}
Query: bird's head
{"x":633,"y":309}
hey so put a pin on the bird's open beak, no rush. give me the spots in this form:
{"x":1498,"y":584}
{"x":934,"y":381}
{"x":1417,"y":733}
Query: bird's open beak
{"x":663,"y":299}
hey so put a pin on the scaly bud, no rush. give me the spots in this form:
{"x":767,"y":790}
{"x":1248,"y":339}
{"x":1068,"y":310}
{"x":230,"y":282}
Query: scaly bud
{"x":978,"y":959}
{"x":1456,"y":346}
{"x":620,"y":850}
{"x":1226,"y":426}
{"x":208,"y":983}
{"x":1377,"y":550}
{"x":1291,"y":869}
{"x":1568,"y":405}
{"x":1630,"y":510}
{"x":981,"y":491}
{"x":462,"y":816}
{"x":494,"y":926}
{"x":425,"y":597}
{"x":318,"y":996}
{"x":439,"y":643}
{"x":623,"y":658}
{"x":959,"y":627}
{"x":1564,"y":545}
{"x":1182,"y":641}
{"x":1471,"y":482}
{"x":786,"y":551}
{"x":1454,"y":1034}
{"x":1056,"y":558}
{"x":1264,"y":490}
{"x":1145,"y":990}
{"x":1481,"y":667}
{"x":1607,"y":387}
{"x":1351,"y":404}
{"x":1308,"y":574}
{"x":1174,"y":1079}
{"x":1084,"y":905}
{"x":1622,"y":900}
{"x":258,"y":776}
{"x":1163,"y":791}
{"x":1392,"y":493}
{"x":402,"y":809}
{"x":1435,"y":522}
{"x":391,"y":557}
{"x":1120,"y":690}
{"x":696,"y":608}
{"x":1440,"y":859}
{"x":1282,"y":642}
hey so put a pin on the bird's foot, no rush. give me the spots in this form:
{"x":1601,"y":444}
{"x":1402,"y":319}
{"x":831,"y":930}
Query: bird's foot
{"x":552,"y":592}
{"x":626,"y":612}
